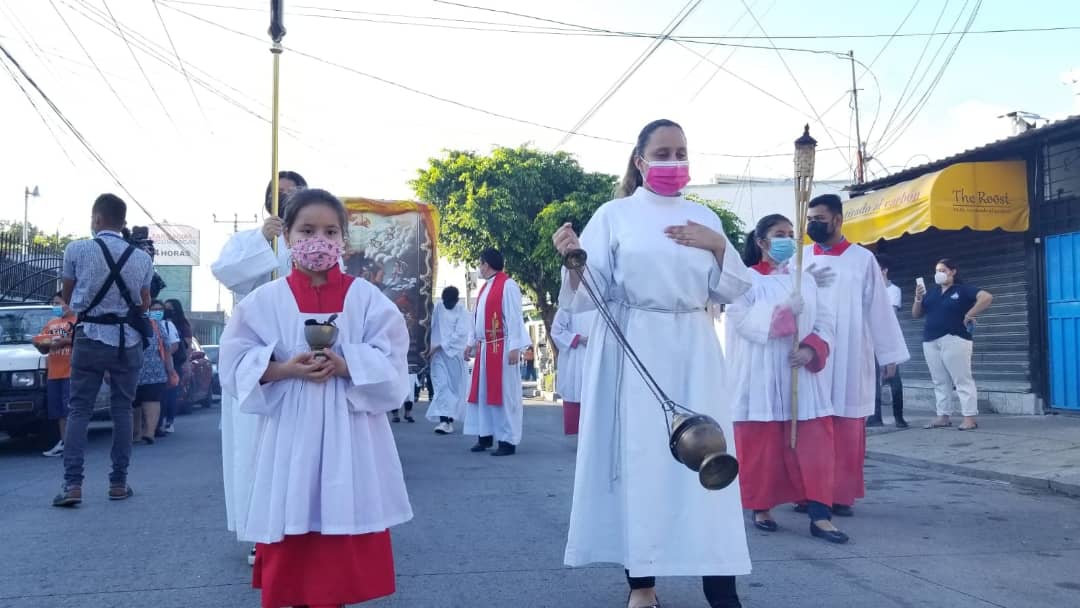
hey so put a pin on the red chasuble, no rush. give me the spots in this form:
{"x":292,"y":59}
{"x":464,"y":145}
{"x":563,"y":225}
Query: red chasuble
{"x":316,"y":569}
{"x":493,"y":345}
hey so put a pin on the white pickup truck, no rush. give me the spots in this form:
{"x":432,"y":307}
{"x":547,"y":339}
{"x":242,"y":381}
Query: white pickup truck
{"x":23,"y":373}
{"x":22,"y":369}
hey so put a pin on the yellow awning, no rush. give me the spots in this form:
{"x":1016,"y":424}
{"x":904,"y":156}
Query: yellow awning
{"x":980,"y":196}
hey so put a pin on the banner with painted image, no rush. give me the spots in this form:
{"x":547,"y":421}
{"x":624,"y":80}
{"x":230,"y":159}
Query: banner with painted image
{"x":392,"y":244}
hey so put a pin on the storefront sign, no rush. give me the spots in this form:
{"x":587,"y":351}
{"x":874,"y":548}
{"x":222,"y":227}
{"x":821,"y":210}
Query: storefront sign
{"x":980,"y":196}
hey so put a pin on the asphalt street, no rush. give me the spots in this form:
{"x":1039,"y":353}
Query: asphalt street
{"x":491,"y":532}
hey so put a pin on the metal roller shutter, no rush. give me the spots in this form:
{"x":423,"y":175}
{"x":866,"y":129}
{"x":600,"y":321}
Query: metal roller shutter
{"x":993,"y":261}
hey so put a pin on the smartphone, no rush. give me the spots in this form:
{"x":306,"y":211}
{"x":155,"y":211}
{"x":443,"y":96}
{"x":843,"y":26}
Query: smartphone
{"x":919,"y":281}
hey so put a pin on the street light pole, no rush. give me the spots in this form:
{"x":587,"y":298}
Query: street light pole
{"x":27,"y":193}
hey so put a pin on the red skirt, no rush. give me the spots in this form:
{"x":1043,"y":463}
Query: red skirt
{"x":324,"y":570}
{"x":771,"y":473}
{"x":850,"y":434}
{"x":571,"y":415}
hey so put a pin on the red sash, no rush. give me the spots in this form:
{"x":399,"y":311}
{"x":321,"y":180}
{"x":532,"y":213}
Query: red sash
{"x":493,"y":344}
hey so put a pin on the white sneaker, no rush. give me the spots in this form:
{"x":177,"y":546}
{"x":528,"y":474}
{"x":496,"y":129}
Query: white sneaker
{"x":57,"y":450}
{"x":440,"y":429}
{"x":251,"y":557}
{"x":168,"y":428}
{"x":448,"y":427}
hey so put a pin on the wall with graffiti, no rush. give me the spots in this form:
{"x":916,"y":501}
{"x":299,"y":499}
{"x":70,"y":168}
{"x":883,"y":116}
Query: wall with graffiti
{"x":392,"y":244}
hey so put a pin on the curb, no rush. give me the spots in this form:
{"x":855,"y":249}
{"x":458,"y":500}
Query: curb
{"x":1038,"y":483}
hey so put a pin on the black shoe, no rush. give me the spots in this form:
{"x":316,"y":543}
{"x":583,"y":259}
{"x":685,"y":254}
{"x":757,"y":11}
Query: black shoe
{"x":802,"y":507}
{"x":396,"y":418}
{"x":409,"y":418}
{"x":872,"y":422}
{"x":833,"y":536}
{"x":505,"y":449}
{"x":843,"y":511}
{"x":901,"y":423}
{"x":766,"y":525}
{"x":482,"y":444}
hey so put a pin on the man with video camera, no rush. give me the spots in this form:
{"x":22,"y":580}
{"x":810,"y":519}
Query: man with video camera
{"x":107,"y":283}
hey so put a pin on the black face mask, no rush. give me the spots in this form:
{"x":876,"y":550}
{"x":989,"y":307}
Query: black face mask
{"x":819,"y":232}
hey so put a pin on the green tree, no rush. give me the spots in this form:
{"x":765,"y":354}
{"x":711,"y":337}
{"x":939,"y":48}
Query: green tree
{"x":733,"y":226}
{"x":11,"y":232}
{"x":512,"y":199}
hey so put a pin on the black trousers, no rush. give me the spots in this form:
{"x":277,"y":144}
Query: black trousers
{"x":896,"y":385}
{"x":719,"y":590}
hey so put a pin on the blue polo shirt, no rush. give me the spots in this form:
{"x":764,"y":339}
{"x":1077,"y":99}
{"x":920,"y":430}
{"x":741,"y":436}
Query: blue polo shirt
{"x":945,"y":311}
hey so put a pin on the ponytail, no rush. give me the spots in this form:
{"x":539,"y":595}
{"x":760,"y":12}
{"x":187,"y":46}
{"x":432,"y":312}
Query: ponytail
{"x":751,"y":254}
{"x":632,"y":179}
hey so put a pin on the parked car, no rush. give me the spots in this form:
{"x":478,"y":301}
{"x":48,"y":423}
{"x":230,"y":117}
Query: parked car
{"x":195,"y":383}
{"x":196,"y":380}
{"x":212,"y":351}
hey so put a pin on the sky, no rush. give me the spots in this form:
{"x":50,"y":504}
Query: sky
{"x":386,"y":94}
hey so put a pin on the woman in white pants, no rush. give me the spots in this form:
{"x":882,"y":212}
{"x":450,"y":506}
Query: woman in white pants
{"x":950,"y":311}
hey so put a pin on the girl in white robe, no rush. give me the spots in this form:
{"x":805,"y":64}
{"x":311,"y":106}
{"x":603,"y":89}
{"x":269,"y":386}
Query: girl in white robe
{"x":761,"y":326}
{"x":449,"y":338}
{"x":570,"y":332}
{"x":327,"y":482}
{"x":246,"y":262}
{"x":657,"y":260}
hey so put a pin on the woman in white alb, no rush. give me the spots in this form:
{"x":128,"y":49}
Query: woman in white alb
{"x":657,"y":260}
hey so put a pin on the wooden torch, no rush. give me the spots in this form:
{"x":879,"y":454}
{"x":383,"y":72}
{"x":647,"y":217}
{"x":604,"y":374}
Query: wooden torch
{"x":804,"y":178}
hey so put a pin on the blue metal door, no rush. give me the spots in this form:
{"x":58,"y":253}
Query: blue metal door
{"x":1063,"y":308}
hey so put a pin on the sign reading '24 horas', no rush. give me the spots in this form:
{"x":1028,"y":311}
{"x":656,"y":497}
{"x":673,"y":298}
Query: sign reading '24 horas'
{"x":176,"y":245}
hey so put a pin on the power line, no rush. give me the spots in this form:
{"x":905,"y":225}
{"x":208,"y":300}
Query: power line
{"x":598,"y":31}
{"x":180,"y":62}
{"x":89,"y":148}
{"x":881,"y":51}
{"x":921,"y":103}
{"x":799,"y":86}
{"x":94,"y":63}
{"x":37,"y":110}
{"x":161,"y":54}
{"x":136,"y":59}
{"x":724,"y":63}
{"x":900,"y":102}
{"x":446,"y":100}
{"x":678,"y":20}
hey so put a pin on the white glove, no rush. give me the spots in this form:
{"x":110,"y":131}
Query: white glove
{"x":796,"y":304}
{"x":824,"y":277}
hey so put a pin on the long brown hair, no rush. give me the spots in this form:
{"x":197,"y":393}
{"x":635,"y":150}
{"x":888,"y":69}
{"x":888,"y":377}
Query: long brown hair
{"x":632,"y":179}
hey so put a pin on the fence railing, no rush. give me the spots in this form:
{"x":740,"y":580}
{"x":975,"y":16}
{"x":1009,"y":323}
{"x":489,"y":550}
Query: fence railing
{"x":29,"y":274}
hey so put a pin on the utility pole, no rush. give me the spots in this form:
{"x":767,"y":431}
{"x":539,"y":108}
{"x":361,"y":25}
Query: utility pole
{"x":236,"y":221}
{"x":27,"y":193}
{"x":859,"y":172}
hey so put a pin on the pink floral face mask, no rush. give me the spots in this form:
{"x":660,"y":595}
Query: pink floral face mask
{"x":316,"y":254}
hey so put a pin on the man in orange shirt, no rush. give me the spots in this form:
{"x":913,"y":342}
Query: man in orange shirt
{"x":55,"y":340}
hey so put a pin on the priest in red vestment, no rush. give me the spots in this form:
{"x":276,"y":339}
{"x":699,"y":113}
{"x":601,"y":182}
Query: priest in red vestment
{"x":494,"y":407}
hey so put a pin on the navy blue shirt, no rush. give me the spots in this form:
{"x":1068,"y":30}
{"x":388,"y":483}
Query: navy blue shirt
{"x":945,"y":311}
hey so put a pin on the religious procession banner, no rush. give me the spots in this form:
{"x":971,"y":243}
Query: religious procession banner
{"x":980,"y":196}
{"x":392,"y":244}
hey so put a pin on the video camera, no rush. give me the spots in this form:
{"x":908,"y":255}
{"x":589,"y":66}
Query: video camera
{"x":139,"y":237}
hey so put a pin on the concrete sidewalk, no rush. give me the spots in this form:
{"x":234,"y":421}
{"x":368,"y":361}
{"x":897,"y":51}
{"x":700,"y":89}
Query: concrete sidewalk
{"x":1032,"y":451}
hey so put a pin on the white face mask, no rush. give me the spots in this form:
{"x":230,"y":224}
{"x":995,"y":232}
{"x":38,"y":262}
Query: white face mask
{"x":940,"y":278}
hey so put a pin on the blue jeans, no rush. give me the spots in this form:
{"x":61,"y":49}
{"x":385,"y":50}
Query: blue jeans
{"x":169,"y":406}
{"x":90,"y":360}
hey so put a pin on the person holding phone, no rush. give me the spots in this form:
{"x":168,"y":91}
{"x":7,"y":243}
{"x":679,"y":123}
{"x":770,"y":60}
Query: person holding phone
{"x":950,"y":312}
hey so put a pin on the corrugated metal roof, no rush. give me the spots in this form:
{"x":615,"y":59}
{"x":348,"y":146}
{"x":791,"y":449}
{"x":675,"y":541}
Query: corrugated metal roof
{"x":999,"y":146}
